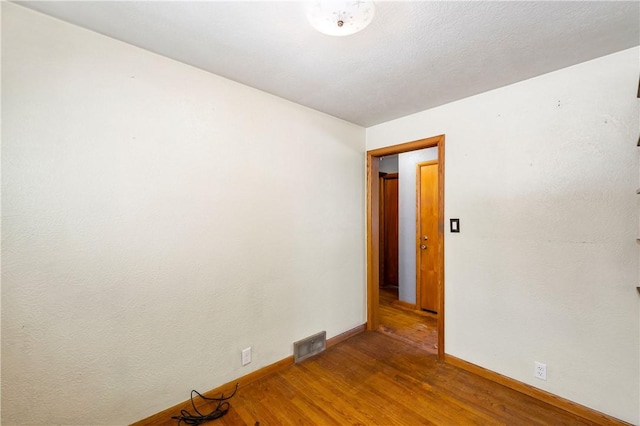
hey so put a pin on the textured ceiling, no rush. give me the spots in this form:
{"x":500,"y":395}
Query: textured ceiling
{"x":413,"y":56}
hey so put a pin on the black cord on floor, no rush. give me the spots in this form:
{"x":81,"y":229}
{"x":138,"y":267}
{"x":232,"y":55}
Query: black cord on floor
{"x":195,"y":419}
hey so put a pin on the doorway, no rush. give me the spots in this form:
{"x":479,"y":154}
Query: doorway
{"x":373,"y":231}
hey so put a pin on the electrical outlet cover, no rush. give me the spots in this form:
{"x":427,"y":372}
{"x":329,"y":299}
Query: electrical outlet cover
{"x":246,"y":356}
{"x":540,"y":371}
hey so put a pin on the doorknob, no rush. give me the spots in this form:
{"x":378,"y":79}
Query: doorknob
{"x":423,"y":246}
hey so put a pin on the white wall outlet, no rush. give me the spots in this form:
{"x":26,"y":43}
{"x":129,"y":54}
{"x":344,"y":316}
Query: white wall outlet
{"x":540,"y":371}
{"x":246,"y":356}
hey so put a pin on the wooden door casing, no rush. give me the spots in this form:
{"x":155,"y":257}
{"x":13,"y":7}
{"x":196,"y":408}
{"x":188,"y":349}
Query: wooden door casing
{"x":373,"y":228}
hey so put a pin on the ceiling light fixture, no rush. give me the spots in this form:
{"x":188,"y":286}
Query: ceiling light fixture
{"x":340,"y":18}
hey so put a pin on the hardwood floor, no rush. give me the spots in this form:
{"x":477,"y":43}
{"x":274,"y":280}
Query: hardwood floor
{"x":373,"y":379}
{"x":381,"y":378}
{"x":410,"y":326}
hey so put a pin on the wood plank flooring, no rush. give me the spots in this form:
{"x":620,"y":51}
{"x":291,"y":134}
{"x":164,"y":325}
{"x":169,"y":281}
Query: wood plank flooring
{"x":381,"y":378}
{"x":374,"y":379}
{"x":413,"y":327}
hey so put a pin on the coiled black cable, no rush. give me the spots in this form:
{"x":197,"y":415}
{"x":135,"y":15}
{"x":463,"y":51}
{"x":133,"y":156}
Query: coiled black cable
{"x":195,"y":419}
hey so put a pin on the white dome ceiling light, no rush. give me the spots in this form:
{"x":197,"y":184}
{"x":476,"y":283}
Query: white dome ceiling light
{"x":340,"y":18}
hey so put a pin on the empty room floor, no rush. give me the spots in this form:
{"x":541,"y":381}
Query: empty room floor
{"x":375,"y":379}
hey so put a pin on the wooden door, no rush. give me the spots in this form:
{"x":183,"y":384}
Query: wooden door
{"x":389,"y":230}
{"x":427,"y":238}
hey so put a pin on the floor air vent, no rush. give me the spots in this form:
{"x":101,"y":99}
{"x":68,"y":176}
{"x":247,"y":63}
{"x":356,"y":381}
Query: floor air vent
{"x":303,"y":349}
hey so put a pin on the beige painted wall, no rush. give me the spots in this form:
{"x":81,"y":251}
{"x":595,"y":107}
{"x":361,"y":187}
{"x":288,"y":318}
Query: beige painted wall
{"x":156,"y":219}
{"x":130,"y":188}
{"x":542,"y":175}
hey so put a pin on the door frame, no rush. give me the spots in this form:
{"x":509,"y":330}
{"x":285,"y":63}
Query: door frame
{"x":373,"y":228}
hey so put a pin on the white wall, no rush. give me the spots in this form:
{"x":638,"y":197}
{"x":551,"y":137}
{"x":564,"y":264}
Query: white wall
{"x":407,"y":163}
{"x":388,"y":164}
{"x":542,"y":175}
{"x":156,"y":220}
